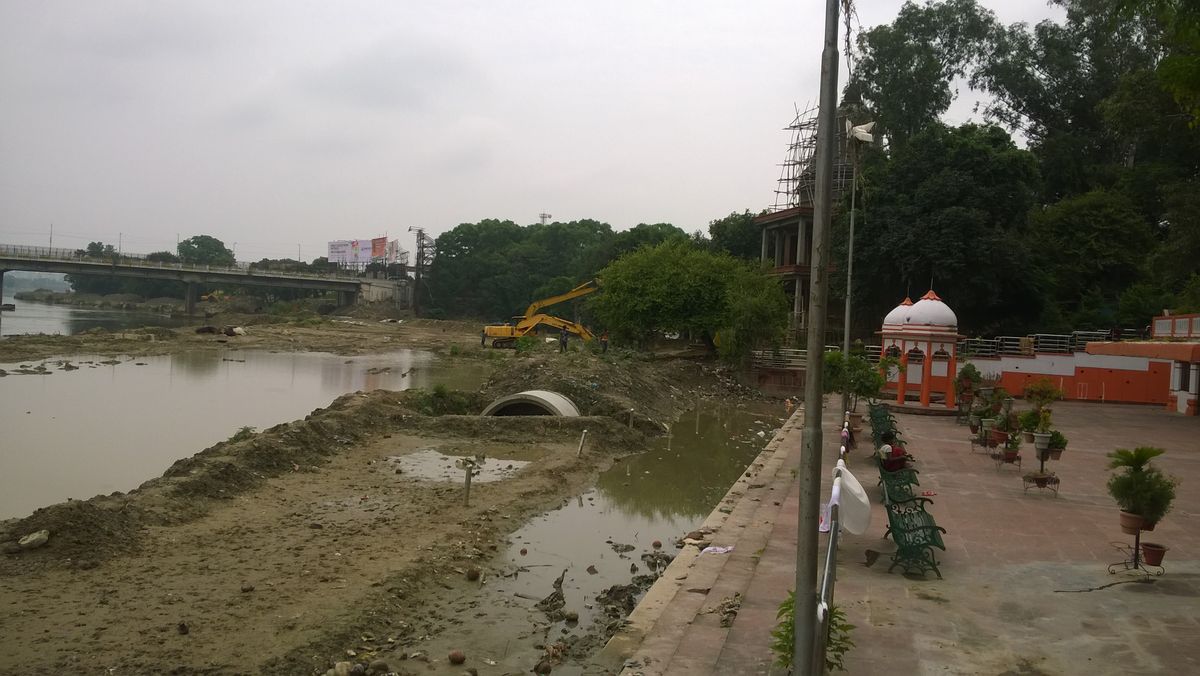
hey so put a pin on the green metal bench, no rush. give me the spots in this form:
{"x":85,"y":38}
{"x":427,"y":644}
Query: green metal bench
{"x":915,"y":534}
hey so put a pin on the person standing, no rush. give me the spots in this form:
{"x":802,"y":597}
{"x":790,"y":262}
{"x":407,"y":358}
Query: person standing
{"x":562,"y":339}
{"x":604,"y":342}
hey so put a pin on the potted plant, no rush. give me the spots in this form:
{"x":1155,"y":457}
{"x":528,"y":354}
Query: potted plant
{"x":1144,"y":493}
{"x":1041,"y":393}
{"x":987,"y":385}
{"x":1029,"y":423}
{"x":854,"y":376}
{"x":1058,"y":444}
{"x":1152,"y":553}
{"x":969,"y":379}
{"x":1041,"y":436}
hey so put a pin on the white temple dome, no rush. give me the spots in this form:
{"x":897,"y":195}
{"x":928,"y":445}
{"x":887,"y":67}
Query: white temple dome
{"x":899,"y":314}
{"x":929,"y":311}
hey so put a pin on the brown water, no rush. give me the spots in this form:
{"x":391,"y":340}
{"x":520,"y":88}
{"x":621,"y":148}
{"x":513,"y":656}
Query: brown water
{"x":34,"y":317}
{"x":110,"y":426}
{"x":657,"y":495}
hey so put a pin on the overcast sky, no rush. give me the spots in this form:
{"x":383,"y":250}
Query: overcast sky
{"x":277,"y":124}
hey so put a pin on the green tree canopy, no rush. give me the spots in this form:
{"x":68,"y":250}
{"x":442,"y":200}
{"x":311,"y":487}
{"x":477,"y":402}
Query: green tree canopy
{"x":737,"y":235}
{"x":679,"y":287}
{"x":205,"y":250}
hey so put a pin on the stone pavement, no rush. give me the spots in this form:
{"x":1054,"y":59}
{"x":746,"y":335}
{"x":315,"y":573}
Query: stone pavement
{"x":1026,"y":588}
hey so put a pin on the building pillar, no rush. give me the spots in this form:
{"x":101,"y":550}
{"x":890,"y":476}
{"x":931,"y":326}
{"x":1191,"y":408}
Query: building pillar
{"x":764,"y":246}
{"x":189,"y":299}
{"x":778,"y":248}
{"x":1176,"y":374}
{"x":926,"y":375}
{"x":1194,"y":381}
{"x":902,"y":379}
{"x":802,"y":251}
{"x":951,"y":379}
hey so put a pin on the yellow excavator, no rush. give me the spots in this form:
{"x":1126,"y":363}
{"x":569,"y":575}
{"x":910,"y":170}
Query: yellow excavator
{"x":506,"y":335}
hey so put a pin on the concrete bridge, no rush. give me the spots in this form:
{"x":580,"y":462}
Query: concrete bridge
{"x":69,"y":261}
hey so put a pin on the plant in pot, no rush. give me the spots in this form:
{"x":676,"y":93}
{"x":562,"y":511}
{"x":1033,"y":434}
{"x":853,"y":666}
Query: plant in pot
{"x":987,"y":385}
{"x":1041,"y":393}
{"x":1144,"y":493}
{"x":1058,"y":444}
{"x":854,"y":376}
{"x":969,"y":379}
{"x":1041,"y":435}
{"x":1029,"y":423}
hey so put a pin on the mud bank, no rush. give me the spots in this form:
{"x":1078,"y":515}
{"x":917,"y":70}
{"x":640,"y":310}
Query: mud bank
{"x":292,"y":549}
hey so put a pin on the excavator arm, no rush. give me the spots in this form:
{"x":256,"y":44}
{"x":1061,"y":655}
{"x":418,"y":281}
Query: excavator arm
{"x":582,"y":290}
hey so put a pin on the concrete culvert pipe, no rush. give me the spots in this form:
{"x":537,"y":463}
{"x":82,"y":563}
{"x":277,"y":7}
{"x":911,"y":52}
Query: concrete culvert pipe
{"x":533,"y":402}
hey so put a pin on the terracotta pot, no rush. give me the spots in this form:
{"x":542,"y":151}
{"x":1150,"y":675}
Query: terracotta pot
{"x":997,"y":437}
{"x":1027,"y":436}
{"x":1056,"y":453}
{"x":1131,"y":523}
{"x":1148,"y":525}
{"x":1153,"y":553}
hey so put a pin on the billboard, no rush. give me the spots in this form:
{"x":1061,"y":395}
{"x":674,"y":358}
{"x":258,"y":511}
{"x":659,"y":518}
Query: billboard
{"x":379,"y":247}
{"x":350,"y":251}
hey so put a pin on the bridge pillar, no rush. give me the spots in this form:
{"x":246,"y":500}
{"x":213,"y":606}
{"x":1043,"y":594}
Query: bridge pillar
{"x":2,"y":300}
{"x":189,"y":299}
{"x":347,"y":298}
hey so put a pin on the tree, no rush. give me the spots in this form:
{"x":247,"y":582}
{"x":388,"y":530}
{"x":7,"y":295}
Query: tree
{"x":948,"y":207}
{"x":904,"y":71}
{"x":1092,"y":247}
{"x":737,"y":235}
{"x":679,"y":287}
{"x":205,"y":250}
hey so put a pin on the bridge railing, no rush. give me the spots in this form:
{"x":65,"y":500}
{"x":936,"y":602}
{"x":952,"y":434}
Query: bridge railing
{"x":80,"y":256}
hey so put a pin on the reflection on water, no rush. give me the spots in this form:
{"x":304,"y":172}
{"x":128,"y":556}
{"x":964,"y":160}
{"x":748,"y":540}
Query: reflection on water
{"x":33,"y":317}
{"x":658,"y":495}
{"x":109,"y":427}
{"x":686,"y":473}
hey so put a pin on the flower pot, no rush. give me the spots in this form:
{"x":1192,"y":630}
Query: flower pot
{"x":856,"y":421}
{"x":1027,"y":436}
{"x":1153,"y":553}
{"x":1131,"y":523}
{"x":986,"y":392}
{"x":997,"y":437}
{"x":1041,"y":440}
{"x":1055,"y":453}
{"x":1148,"y":526}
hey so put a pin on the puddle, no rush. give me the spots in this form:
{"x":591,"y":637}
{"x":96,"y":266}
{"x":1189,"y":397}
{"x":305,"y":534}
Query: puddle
{"x":432,"y":465}
{"x":658,"y":495}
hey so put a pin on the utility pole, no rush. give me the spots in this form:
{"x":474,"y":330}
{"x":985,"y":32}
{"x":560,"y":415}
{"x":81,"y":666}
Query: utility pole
{"x":544,"y":217}
{"x":298,"y":260}
{"x":804,"y":640}
{"x":51,"y":235}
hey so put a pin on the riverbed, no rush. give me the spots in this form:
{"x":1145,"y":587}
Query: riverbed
{"x":85,"y":425}
{"x":48,"y":318}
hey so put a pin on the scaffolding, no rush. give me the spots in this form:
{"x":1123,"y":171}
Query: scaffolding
{"x":798,"y":172}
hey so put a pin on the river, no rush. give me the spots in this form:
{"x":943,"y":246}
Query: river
{"x":112,"y":423}
{"x":34,"y":317}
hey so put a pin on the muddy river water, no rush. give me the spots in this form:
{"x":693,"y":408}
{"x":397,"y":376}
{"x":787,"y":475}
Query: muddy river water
{"x":85,"y":425}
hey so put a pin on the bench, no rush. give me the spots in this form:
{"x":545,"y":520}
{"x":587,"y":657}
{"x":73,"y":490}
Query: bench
{"x":916,"y":534}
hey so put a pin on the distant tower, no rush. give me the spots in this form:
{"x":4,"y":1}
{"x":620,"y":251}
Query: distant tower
{"x":544,"y":217}
{"x":425,"y":249}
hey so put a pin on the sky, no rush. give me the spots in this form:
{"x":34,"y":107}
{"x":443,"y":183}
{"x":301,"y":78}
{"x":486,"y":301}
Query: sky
{"x":277,"y":126}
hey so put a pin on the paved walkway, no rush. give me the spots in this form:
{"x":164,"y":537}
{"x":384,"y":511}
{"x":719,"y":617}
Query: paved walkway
{"x":1026,"y":588}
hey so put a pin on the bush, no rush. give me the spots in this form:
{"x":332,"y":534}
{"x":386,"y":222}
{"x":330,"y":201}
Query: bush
{"x":526,"y":344}
{"x":443,"y":401}
{"x":837,"y":644}
{"x":1028,"y":420}
{"x":1057,"y":440}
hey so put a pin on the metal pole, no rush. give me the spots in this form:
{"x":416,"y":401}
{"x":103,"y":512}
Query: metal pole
{"x":849,"y":275}
{"x":810,"y":459}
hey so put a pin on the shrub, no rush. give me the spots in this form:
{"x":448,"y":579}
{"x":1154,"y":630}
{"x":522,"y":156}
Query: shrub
{"x":1141,"y":489}
{"x":526,"y":344}
{"x":837,"y":644}
{"x":443,"y":401}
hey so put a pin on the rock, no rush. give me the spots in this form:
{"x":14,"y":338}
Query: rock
{"x":456,"y":657}
{"x":359,"y":669}
{"x":34,"y":540}
{"x":378,"y":667}
{"x":247,"y":588}
{"x":524,"y":551}
{"x":182,"y":628}
{"x":341,"y":669}
{"x":592,"y":570}
{"x":657,"y":544}
{"x":473,"y":574}
{"x":542,"y":668}
{"x":571,"y":616}
{"x":633,"y":569}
